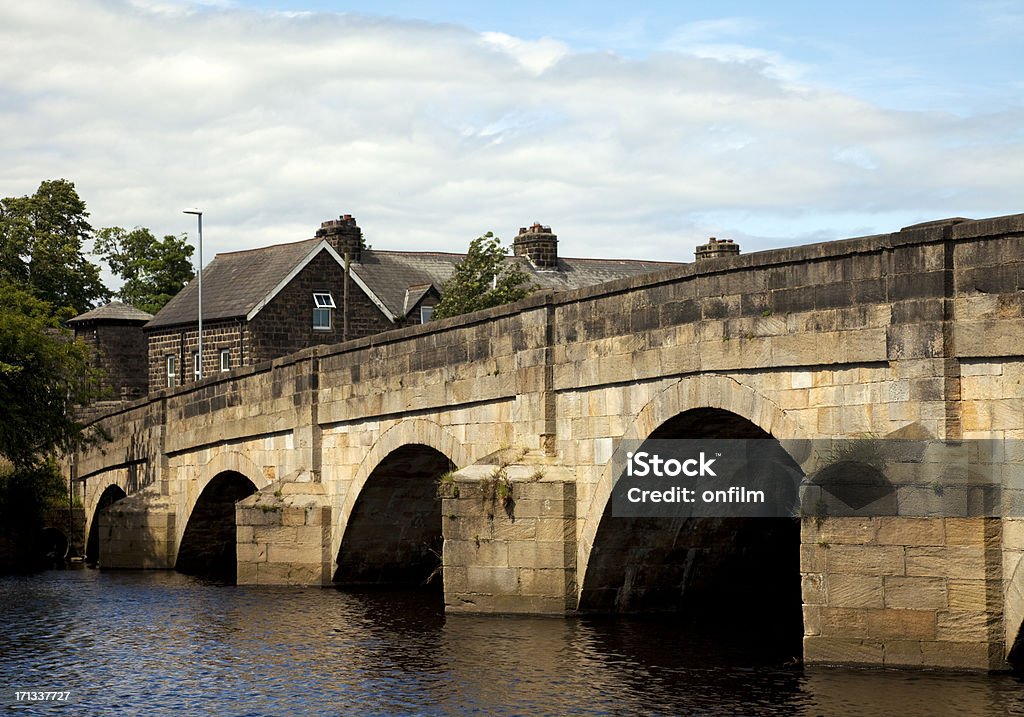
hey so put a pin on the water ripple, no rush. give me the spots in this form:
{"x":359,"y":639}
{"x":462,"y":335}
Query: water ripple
{"x":157,"y":643}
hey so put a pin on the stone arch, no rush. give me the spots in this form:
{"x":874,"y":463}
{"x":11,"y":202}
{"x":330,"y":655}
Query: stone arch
{"x":413,"y":431}
{"x":737,"y":574}
{"x":206,"y":528}
{"x":392,"y":548}
{"x":221,"y":462}
{"x":112,"y":492}
{"x":703,"y":391}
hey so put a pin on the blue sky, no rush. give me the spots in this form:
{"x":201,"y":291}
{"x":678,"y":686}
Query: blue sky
{"x":906,"y":54}
{"x":633,"y":129}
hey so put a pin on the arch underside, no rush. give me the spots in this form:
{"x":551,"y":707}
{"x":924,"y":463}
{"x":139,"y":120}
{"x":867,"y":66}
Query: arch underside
{"x":208,"y":545}
{"x":740,"y":573}
{"x":394,"y":535}
{"x":110,"y":495}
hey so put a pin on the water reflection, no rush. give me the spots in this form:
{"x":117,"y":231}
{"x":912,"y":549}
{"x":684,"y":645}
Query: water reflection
{"x":161,"y":644}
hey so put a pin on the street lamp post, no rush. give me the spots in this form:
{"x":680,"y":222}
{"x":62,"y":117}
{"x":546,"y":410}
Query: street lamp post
{"x":199,"y":216}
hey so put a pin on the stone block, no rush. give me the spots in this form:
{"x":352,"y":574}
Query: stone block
{"x":813,"y":589}
{"x":956,"y":655}
{"x":542,"y":582}
{"x":854,"y":591}
{"x":968,"y":626}
{"x":246,"y":573}
{"x":843,"y":622}
{"x":840,"y":531}
{"x":493,"y":580}
{"x":971,"y":594}
{"x":812,"y":619}
{"x":819,"y":649}
{"x":957,"y":561}
{"x":911,"y":531}
{"x":293,"y":553}
{"x":897,"y":624}
{"x":866,"y":559}
{"x":969,"y":532}
{"x":274,"y":534}
{"x":456,"y":579}
{"x":915,"y":593}
{"x":555,"y":529}
{"x":251,"y":553}
{"x":902,"y":653}
{"x":537,"y":554}
{"x":310,"y":535}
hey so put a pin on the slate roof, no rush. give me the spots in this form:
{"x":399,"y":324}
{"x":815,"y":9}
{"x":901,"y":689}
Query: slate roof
{"x":390,"y":274}
{"x":114,"y":311}
{"x":235,"y":283}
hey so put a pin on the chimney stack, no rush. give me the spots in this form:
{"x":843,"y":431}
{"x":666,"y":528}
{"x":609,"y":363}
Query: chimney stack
{"x":716,"y":248}
{"x":344,"y":235}
{"x":538,"y":244}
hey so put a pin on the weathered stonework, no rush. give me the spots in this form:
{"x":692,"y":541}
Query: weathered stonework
{"x":509,"y":539}
{"x":914,"y":334}
{"x":139,"y":532}
{"x":284,"y":534}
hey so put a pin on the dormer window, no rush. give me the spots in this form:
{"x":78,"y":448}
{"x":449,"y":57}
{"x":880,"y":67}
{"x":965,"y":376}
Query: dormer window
{"x":323,"y":302}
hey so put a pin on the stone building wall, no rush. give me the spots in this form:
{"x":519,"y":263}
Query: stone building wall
{"x":285,"y":325}
{"x":119,"y":351}
{"x":183,"y":341}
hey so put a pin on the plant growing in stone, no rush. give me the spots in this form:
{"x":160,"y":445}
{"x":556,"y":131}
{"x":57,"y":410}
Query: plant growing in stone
{"x":446,"y":485}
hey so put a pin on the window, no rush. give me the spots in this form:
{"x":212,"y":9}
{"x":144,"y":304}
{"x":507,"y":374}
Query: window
{"x":323,"y":302}
{"x":425,"y":313}
{"x":172,"y":370}
{"x":225,"y":359}
{"x":196,"y":368}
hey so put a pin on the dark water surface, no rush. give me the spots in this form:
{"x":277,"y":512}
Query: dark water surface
{"x":159,"y":643}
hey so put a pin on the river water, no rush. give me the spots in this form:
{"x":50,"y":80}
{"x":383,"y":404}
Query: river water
{"x":160,"y":643}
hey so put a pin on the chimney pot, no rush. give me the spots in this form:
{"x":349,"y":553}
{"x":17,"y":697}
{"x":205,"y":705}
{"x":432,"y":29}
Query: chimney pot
{"x":538,"y":244}
{"x":715,"y":248}
{"x":344,"y":235}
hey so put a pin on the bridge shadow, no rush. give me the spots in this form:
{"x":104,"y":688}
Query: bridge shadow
{"x":110,"y":495}
{"x":209,"y":545}
{"x":394,"y":535}
{"x":738,"y":576}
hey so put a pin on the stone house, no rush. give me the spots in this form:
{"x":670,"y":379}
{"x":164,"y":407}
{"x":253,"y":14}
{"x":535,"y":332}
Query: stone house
{"x":263,"y":303}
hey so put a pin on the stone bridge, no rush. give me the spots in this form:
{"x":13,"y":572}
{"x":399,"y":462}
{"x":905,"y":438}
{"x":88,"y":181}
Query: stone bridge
{"x":482,"y":444}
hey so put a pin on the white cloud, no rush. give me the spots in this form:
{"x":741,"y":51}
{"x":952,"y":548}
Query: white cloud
{"x":432,"y":134}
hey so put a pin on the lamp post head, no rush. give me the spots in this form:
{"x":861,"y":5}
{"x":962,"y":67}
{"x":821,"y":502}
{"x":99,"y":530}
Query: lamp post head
{"x":192,"y":210}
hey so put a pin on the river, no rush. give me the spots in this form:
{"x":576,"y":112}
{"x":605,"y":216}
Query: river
{"x":160,"y":643}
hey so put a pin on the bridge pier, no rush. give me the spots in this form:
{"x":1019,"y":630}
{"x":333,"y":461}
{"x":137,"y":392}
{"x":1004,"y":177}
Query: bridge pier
{"x":139,"y":532}
{"x":904,"y":591}
{"x":510,"y":539}
{"x":284,"y":534}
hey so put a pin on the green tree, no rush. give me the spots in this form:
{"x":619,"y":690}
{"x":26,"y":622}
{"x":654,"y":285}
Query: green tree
{"x":41,"y":240}
{"x":43,"y":376}
{"x":153,"y":271}
{"x":482,"y":280}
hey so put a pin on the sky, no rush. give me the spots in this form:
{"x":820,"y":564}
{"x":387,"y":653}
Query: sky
{"x":635,"y":130}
